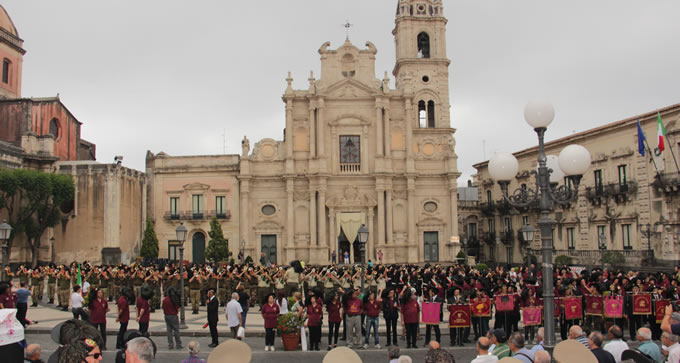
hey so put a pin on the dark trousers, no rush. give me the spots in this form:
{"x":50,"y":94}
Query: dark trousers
{"x":529,"y":332}
{"x":314,"y":335}
{"x":213,"y":331}
{"x":333,"y":329}
{"x":244,"y":315}
{"x":411,"y":334}
{"x":234,"y":332}
{"x":634,"y":323}
{"x":102,"y":330}
{"x":437,"y":333}
{"x":344,"y":326}
{"x":143,"y":327}
{"x":80,"y":313}
{"x":391,"y":325}
{"x":121,"y":335}
{"x":456,"y":335}
{"x":268,"y":337}
{"x":22,"y":308}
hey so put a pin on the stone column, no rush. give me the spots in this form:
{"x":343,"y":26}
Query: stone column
{"x":381,"y":214}
{"x":414,"y":250}
{"x":370,"y":248}
{"x":388,"y":207}
{"x":290,"y":225}
{"x":312,"y":217}
{"x":289,"y":129}
{"x":379,"y":133}
{"x":364,"y":152}
{"x":453,"y":194}
{"x":320,"y":142}
{"x":245,"y":217}
{"x":312,"y":133}
{"x":388,"y":134}
{"x":322,"y":218}
{"x":409,"y":126}
{"x":332,"y":238}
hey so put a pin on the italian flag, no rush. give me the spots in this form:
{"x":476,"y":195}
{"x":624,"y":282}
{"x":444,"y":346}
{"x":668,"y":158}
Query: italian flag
{"x":79,"y":281}
{"x":660,"y":133}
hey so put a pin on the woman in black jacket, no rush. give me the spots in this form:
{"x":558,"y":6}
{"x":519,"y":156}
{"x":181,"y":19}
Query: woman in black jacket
{"x":391,"y":310}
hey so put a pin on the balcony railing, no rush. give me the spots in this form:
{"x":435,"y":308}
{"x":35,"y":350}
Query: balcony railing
{"x":490,"y":238}
{"x":172,"y":216}
{"x":487,"y":208}
{"x":508,"y":237}
{"x":221,"y":214}
{"x":598,"y":253}
{"x":350,"y":168}
{"x":668,"y":183}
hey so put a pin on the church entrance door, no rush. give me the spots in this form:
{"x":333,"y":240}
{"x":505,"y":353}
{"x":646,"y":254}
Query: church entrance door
{"x":269,"y":247}
{"x":431,"y":248}
{"x":198,"y":247}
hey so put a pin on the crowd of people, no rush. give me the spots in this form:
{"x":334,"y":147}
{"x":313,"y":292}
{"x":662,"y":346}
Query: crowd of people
{"x":349,"y":297}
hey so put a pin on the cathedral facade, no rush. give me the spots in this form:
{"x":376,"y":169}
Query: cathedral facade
{"x":355,"y":152}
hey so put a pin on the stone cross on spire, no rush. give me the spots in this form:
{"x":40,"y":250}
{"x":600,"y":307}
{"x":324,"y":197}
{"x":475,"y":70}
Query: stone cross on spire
{"x":347,"y":25}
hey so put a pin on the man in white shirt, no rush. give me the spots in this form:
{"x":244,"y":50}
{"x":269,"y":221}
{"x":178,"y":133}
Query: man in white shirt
{"x":539,"y":339}
{"x":483,"y":355}
{"x":670,"y":347}
{"x":77,"y":304}
{"x":616,"y":345}
{"x":234,"y":311}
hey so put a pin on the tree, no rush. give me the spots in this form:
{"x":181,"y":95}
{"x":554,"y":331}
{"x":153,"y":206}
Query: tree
{"x":218,"y":248}
{"x":149,"y":242}
{"x":34,"y":202}
{"x":613,"y":258}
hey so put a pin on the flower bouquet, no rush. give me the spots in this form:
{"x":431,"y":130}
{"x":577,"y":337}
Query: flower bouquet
{"x":288,"y":327}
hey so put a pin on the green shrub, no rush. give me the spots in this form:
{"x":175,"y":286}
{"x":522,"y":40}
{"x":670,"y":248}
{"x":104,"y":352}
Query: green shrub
{"x":460,"y":255}
{"x":529,"y":259}
{"x":563,"y":260}
{"x":248,"y":260}
{"x":613,"y":258}
{"x":481,"y":267}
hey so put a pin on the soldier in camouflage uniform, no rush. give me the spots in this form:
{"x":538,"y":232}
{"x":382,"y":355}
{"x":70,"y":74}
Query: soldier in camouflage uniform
{"x":154,"y":283}
{"x":64,"y":285}
{"x":35,"y":287}
{"x":195,"y":283}
{"x":264,"y":286}
{"x":225,"y":287}
{"x":105,"y":283}
{"x":51,"y":285}
{"x":137,"y":282}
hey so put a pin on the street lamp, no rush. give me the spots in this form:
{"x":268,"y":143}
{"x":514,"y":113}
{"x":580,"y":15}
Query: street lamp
{"x":363,"y":238}
{"x":181,"y":233}
{"x":602,"y":245}
{"x":574,"y":161}
{"x":648,"y":232}
{"x":5,"y":231}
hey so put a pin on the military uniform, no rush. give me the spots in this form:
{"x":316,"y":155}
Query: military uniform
{"x":211,"y":283}
{"x":137,"y":282}
{"x":252,"y":288}
{"x":195,"y":288}
{"x":35,"y":288}
{"x":114,"y":288}
{"x":263,"y":288}
{"x":51,"y":286}
{"x":155,"y":284}
{"x":104,"y":283}
{"x":64,"y":290}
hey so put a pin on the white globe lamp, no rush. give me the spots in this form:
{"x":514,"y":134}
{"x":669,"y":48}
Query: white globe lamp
{"x":503,"y":166}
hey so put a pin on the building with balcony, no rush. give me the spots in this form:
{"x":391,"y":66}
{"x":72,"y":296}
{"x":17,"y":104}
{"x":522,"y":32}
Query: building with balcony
{"x":628,"y":203}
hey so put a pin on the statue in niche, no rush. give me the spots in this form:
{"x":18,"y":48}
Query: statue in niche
{"x":351,"y":193}
{"x":245,"y":147}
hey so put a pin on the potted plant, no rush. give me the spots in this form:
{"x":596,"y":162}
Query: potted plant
{"x":288,"y":327}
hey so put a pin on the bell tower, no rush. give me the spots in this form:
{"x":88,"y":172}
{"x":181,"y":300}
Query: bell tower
{"x":421,"y":63}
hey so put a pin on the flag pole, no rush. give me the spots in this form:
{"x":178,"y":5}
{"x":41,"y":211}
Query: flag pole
{"x":651,"y":155}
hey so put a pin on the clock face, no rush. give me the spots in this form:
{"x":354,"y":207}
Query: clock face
{"x":350,"y":149}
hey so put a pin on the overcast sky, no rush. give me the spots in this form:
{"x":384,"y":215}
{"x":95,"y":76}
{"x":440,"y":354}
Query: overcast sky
{"x":170,"y":75}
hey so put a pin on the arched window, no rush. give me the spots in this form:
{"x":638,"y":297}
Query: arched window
{"x":430,"y":114}
{"x":423,"y":45}
{"x":422,"y":115}
{"x":54,"y":128}
{"x":5,"y":70}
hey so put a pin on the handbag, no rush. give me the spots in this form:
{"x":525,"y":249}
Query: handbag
{"x":241,"y":333}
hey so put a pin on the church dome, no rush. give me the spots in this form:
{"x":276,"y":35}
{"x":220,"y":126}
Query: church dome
{"x":6,"y":22}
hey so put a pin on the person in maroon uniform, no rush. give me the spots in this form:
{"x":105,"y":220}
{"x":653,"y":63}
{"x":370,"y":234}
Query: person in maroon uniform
{"x":372,"y":307}
{"x":411,"y":312}
{"x":123,"y":317}
{"x":314,"y":316}
{"x":170,"y":311}
{"x":98,"y":307}
{"x":270,"y":314}
{"x":143,"y":314}
{"x":334,"y":309}
{"x":352,"y":306}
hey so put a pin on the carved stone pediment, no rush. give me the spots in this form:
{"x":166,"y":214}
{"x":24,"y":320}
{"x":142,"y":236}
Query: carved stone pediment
{"x":267,"y":225}
{"x":431,"y":222}
{"x":349,"y":88}
{"x":301,"y":195}
{"x":352,"y":197}
{"x":196,"y":187}
{"x":268,"y":150}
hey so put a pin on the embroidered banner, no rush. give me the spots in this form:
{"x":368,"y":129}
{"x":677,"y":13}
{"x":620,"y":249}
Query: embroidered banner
{"x":594,"y":305}
{"x":431,"y":312}
{"x":572,"y":308}
{"x":459,"y":316}
{"x":532,"y":315}
{"x":660,"y":309}
{"x":613,"y":306}
{"x":505,"y":303}
{"x":481,"y":307}
{"x":642,"y":304}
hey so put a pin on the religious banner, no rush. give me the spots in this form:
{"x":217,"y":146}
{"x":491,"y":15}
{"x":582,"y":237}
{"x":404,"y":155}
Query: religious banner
{"x":660,"y":309}
{"x":431,"y":313}
{"x":505,"y":303}
{"x":572,"y":308}
{"x":459,"y":316}
{"x":642,"y":304}
{"x":532,"y":315}
{"x":613,"y":306}
{"x":481,"y":307}
{"x":594,"y":305}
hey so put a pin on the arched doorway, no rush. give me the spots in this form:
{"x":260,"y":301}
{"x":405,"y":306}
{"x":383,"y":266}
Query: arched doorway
{"x":198,"y":247}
